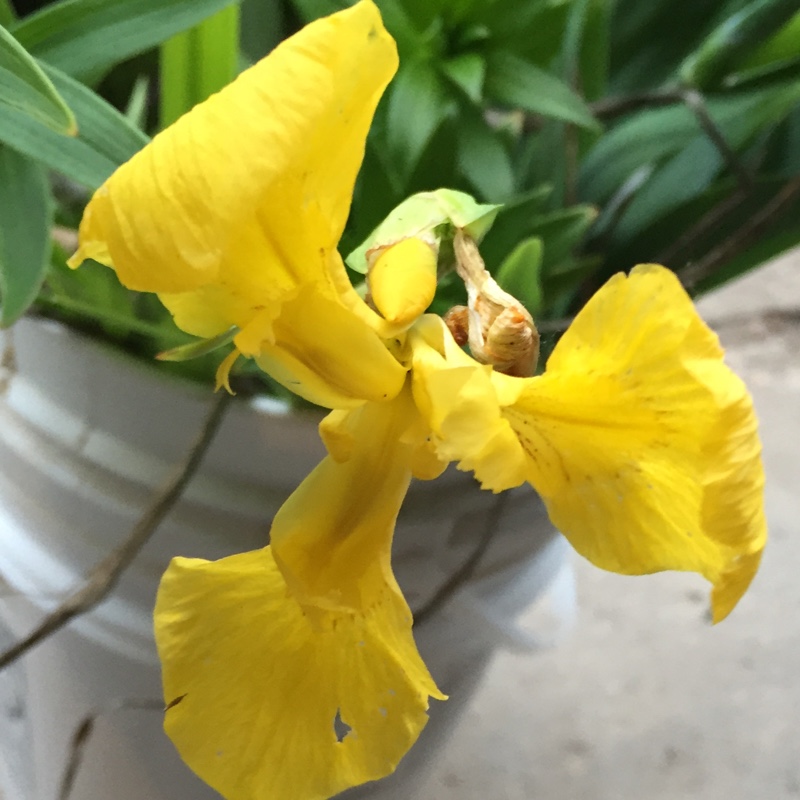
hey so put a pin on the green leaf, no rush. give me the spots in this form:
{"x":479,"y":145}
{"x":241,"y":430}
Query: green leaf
{"x":198,"y":62}
{"x":7,"y":14}
{"x":24,"y":87}
{"x":87,"y":37}
{"x":24,"y":232}
{"x":561,"y":232}
{"x":417,"y":106}
{"x":105,"y":139}
{"x":520,"y":273}
{"x":483,"y":159}
{"x":734,"y":40}
{"x":468,"y":72}
{"x":517,"y":83}
{"x":515,"y":222}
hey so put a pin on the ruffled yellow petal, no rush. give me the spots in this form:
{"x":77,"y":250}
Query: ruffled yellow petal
{"x":460,"y":403}
{"x":641,"y":441}
{"x":260,"y":695}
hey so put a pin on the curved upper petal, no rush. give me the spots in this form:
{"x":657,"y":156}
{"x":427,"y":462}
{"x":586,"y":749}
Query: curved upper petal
{"x":251,"y":189}
{"x":642,"y":443}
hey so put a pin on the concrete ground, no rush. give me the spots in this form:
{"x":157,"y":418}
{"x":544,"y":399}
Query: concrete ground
{"x":645,"y":699}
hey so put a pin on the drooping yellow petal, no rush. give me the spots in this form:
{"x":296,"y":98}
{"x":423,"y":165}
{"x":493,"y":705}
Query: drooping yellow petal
{"x":641,"y":441}
{"x":260,"y":695}
{"x":332,"y":538}
{"x":265,"y":655}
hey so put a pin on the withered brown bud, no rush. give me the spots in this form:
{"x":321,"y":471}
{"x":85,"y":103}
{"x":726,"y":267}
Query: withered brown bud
{"x":501,"y":332}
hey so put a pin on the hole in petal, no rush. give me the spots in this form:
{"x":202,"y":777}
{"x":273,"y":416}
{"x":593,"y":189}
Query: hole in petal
{"x":340,"y":727}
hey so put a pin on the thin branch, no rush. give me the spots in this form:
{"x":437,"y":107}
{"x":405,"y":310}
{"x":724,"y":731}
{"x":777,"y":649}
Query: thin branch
{"x":743,"y":237}
{"x":82,"y":733}
{"x":455,"y":581}
{"x":104,"y":575}
{"x":610,"y":107}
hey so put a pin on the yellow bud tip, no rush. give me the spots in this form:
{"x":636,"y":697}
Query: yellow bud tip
{"x":402,"y":280}
{"x":224,"y":372}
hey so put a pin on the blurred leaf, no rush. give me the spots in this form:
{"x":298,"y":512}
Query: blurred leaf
{"x":24,"y":87}
{"x":734,"y":40}
{"x":516,"y":83}
{"x":87,"y":37}
{"x":7,"y":14}
{"x":105,"y":139}
{"x":594,"y":56}
{"x":310,"y":10}
{"x":468,"y":72}
{"x":515,"y":222}
{"x":782,"y":46}
{"x":417,"y":105}
{"x":198,"y":62}
{"x":263,"y":25}
{"x":24,"y":232}
{"x":561,"y":232}
{"x":656,"y":134}
{"x":483,"y":159}
{"x":520,"y":273}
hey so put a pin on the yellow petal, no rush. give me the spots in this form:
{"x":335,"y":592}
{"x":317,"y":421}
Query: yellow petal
{"x":256,"y":690}
{"x":332,"y":538}
{"x":321,"y":351}
{"x":460,"y":403}
{"x":641,"y":441}
{"x":241,"y":201}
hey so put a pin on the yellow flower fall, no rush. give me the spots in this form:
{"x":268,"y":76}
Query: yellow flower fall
{"x":641,"y":442}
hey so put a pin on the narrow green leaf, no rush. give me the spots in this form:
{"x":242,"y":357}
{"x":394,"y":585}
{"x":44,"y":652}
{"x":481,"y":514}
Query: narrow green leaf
{"x":87,"y":37}
{"x":105,"y":139}
{"x":24,"y":87}
{"x":561,"y":232}
{"x":24,"y":232}
{"x":417,"y":106}
{"x":517,"y":83}
{"x":520,"y":273}
{"x":136,"y":108}
{"x":196,"y":349}
{"x":783,"y":46}
{"x":198,"y":62}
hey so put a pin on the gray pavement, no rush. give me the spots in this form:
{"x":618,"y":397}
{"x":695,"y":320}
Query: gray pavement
{"x":644,"y":699}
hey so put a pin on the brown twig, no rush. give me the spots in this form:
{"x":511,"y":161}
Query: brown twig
{"x":104,"y":575}
{"x":464,"y":572}
{"x":82,"y":733}
{"x":743,"y":237}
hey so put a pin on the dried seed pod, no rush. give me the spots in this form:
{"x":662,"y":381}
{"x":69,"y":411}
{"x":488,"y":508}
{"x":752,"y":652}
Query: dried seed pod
{"x":501,"y":331}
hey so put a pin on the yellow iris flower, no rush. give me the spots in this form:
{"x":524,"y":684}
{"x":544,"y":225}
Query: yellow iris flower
{"x":639,"y":439}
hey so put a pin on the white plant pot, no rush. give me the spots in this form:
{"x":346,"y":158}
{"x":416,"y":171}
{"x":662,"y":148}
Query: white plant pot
{"x":86,"y":437}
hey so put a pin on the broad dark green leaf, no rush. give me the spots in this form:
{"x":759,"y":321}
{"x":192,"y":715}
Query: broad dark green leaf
{"x":105,"y":139}
{"x":87,"y":37}
{"x":515,"y":222}
{"x":483,"y":159}
{"x":417,"y":106}
{"x":24,"y":87}
{"x":514,"y":82}
{"x":520,"y":273}
{"x":24,"y":232}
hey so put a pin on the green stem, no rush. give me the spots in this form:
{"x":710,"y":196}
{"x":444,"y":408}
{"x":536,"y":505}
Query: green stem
{"x":198,"y":62}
